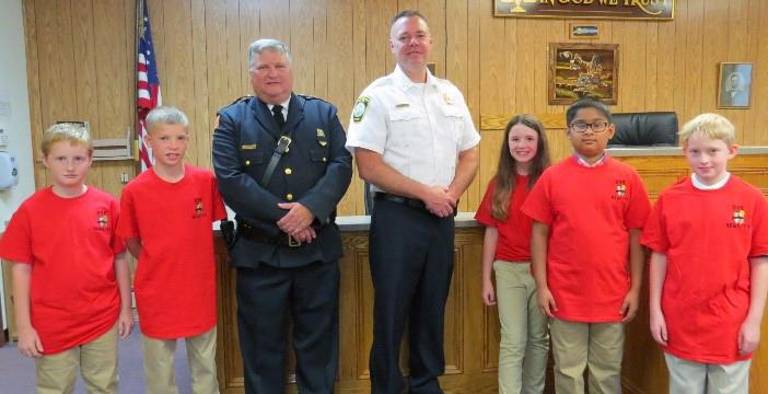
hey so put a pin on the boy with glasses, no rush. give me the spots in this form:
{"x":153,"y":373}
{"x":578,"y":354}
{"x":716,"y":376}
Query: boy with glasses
{"x":588,"y":213}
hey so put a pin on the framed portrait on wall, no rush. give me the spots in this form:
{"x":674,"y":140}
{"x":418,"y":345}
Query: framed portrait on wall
{"x":734,"y":89}
{"x":580,"y":70}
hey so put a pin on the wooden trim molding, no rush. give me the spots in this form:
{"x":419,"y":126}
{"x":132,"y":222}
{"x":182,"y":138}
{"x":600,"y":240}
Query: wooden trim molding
{"x":499,"y":121}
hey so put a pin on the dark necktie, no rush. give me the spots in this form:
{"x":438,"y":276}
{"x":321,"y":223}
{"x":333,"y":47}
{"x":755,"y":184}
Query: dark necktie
{"x":277,"y":113}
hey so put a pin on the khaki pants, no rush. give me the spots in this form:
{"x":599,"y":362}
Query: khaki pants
{"x":524,"y":338}
{"x":576,"y":346}
{"x":97,"y":360}
{"x":201,"y":356}
{"x":688,"y":377}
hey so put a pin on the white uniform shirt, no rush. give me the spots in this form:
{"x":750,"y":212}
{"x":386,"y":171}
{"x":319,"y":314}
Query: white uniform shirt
{"x":418,"y":128}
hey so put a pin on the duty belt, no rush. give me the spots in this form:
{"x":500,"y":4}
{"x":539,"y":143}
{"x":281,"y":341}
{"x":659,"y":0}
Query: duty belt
{"x":250,"y":233}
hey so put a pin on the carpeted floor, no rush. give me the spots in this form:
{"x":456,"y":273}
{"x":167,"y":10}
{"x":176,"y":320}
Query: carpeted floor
{"x":17,"y":373}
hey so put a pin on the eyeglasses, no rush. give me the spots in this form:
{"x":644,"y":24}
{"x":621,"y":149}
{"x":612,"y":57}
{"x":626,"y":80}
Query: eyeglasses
{"x":597,"y":126}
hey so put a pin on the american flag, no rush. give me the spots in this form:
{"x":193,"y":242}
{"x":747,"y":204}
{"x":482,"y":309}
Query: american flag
{"x":148,"y":85}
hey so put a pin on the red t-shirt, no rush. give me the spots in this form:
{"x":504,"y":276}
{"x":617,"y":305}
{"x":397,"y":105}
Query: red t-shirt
{"x":175,"y":281}
{"x":589,"y":211}
{"x":71,"y":246}
{"x":708,"y":237}
{"x":514,"y":242}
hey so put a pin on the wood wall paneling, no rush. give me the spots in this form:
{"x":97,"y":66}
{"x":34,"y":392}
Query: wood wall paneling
{"x":757,"y":131}
{"x":80,"y":63}
{"x":665,"y":66}
{"x":33,"y":83}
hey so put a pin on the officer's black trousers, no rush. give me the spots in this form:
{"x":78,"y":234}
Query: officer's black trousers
{"x":266,"y":297}
{"x":411,"y":256}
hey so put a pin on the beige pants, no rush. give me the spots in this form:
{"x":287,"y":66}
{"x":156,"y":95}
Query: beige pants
{"x":97,"y":360}
{"x":688,"y":377}
{"x":524,"y":343}
{"x":201,"y":356}
{"x":576,"y":346}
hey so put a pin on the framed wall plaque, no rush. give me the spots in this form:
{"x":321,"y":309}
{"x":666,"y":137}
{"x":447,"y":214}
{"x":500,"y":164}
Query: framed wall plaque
{"x":579,"y":70}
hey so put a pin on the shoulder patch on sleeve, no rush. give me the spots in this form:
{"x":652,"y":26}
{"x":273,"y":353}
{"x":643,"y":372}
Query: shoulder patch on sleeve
{"x":361,"y":105}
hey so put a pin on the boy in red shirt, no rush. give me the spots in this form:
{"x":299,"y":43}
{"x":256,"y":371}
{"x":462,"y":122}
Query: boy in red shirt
{"x":167,"y":219}
{"x":709,"y":267}
{"x":70,"y":275}
{"x":588,"y":212}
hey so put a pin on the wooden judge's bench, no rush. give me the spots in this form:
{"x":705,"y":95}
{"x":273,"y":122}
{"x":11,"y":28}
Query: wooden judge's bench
{"x":471,"y":329}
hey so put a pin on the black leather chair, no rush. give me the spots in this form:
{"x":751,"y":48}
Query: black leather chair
{"x":645,"y":128}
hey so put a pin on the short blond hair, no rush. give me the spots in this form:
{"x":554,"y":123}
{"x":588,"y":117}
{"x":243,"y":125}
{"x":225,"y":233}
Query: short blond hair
{"x":166,"y":115}
{"x":74,"y":133}
{"x":714,"y":126}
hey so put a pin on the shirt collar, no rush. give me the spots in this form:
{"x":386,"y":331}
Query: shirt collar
{"x":701,"y":186}
{"x":284,"y":104}
{"x":405,"y":83}
{"x":580,"y":160}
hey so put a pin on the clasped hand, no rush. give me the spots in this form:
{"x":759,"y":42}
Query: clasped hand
{"x":440,"y":201}
{"x":297,"y":221}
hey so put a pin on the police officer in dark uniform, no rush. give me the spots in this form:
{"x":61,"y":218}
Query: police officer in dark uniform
{"x":281,"y":165}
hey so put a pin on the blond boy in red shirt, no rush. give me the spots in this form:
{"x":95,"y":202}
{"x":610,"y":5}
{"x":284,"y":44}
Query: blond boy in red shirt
{"x":709,"y":270}
{"x":167,"y":219}
{"x":588,"y":212}
{"x":70,"y":275}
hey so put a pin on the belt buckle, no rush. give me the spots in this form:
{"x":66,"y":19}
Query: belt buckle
{"x":282,"y":144}
{"x":293,"y":242}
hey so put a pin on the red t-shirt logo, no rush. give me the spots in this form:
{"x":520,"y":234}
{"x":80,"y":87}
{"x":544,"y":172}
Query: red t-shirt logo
{"x":738,"y":217}
{"x":102,"y":219}
{"x":621,"y":189}
{"x":198,"y":208}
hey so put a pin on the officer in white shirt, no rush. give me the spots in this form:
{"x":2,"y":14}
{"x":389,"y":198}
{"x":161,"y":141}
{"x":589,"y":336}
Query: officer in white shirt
{"x":414,"y":141}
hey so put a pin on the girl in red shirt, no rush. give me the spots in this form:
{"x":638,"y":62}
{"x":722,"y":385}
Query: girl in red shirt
{"x":506,"y":249}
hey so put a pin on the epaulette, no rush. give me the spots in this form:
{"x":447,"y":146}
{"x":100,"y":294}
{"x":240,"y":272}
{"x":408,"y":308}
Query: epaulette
{"x":240,"y":99}
{"x":243,"y":98}
{"x":309,"y":97}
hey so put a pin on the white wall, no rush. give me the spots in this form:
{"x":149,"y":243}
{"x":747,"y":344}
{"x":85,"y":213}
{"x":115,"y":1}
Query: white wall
{"x":14,"y":110}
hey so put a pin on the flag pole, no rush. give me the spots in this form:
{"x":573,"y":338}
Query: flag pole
{"x":137,"y":37}
{"x":148,"y":92}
